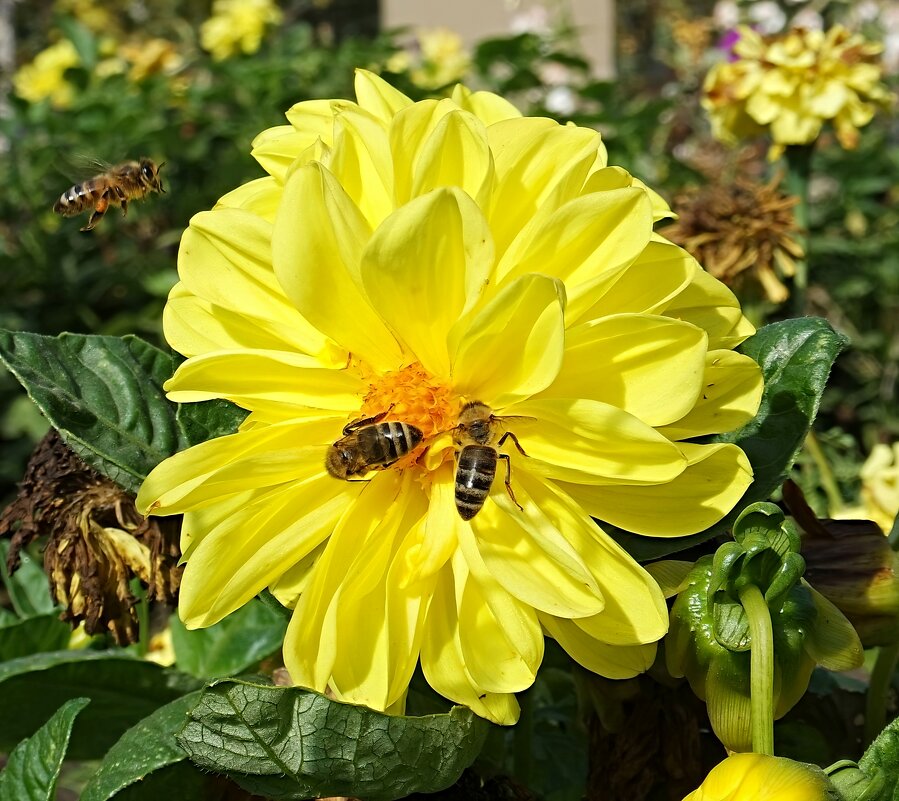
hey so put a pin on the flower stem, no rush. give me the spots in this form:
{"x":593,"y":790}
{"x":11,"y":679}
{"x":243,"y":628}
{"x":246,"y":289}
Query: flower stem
{"x":761,"y":669}
{"x":799,"y":169}
{"x":828,"y":482}
{"x":879,"y":686}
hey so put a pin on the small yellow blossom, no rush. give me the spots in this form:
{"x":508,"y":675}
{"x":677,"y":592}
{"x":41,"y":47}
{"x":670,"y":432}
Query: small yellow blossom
{"x":237,"y":25}
{"x":880,"y":485}
{"x":45,"y":76}
{"x":149,"y":57}
{"x":790,"y":84}
{"x":444,"y":58}
{"x":757,"y":777}
{"x":406,"y":259}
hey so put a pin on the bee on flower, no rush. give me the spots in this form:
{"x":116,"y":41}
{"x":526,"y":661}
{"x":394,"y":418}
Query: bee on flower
{"x":402,"y":263}
{"x":790,"y":84}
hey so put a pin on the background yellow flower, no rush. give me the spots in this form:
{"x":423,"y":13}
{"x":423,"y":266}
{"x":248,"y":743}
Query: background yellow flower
{"x":45,"y":76}
{"x":790,"y":84}
{"x":237,"y":25}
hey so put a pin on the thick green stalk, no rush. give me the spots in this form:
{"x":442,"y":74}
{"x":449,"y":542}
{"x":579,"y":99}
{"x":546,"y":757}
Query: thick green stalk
{"x":878,"y":688}
{"x":799,"y":170}
{"x":761,"y":669}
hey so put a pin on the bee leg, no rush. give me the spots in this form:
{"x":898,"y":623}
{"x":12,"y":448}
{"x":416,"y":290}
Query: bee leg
{"x":349,"y":428}
{"x":123,"y":200}
{"x":98,"y":212}
{"x":514,"y":439}
{"x":508,"y":481}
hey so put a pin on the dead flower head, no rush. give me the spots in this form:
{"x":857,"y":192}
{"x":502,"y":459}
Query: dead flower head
{"x":97,"y":542}
{"x":743,"y":232}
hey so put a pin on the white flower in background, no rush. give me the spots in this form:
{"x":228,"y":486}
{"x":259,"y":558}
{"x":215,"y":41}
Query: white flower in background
{"x":866,"y":11}
{"x":561,"y":101}
{"x":890,"y":21}
{"x":767,"y":17}
{"x":535,"y":20}
{"x":809,"y":19}
{"x":726,"y":14}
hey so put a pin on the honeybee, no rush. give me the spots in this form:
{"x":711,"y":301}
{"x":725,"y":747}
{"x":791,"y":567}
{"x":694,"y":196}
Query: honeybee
{"x":371,"y":444}
{"x":476,"y":435}
{"x":130,"y":180}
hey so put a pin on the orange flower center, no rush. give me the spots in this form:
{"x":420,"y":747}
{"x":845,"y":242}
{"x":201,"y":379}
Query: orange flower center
{"x":414,"y":396}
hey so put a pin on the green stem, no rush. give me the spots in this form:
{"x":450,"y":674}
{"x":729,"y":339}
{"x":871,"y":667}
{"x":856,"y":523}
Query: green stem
{"x":799,"y":170}
{"x":143,"y":617}
{"x":876,"y":701}
{"x":832,"y":490}
{"x":761,"y":669}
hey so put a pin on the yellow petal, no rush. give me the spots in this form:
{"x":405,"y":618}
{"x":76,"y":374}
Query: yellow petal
{"x":260,"y":197}
{"x":315,"y":118}
{"x":288,"y":587}
{"x":486,"y":106}
{"x":360,"y":161}
{"x":444,"y":667}
{"x":277,"y":148}
{"x":635,"y":612}
{"x":543,"y":571}
{"x":256,"y":544}
{"x":611,"y":661}
{"x":225,"y":259}
{"x":587,"y":243}
{"x":378,"y":97}
{"x":455,"y":154}
{"x":502,"y":643}
{"x":708,"y":303}
{"x":312,"y":643}
{"x":660,"y":273}
{"x":375,"y":661}
{"x":589,"y":442}
{"x":410,"y":130}
{"x":260,"y":380}
{"x":714,"y":481}
{"x":317,"y":244}
{"x":193,"y":326}
{"x":650,"y":367}
{"x":732,"y":387}
{"x":512,"y":347}
{"x":437,"y":536}
{"x":424,"y":266}
{"x":526,"y":179}
{"x":260,"y":457}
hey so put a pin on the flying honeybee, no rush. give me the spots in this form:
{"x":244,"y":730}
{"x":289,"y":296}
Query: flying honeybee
{"x":477,"y":435}
{"x":120,"y":183}
{"x":371,"y":444}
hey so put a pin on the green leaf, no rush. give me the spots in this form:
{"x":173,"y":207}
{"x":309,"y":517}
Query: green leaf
{"x":123,"y":690}
{"x":291,"y":743}
{"x":796,"y":357}
{"x":232,"y":646}
{"x":28,"y":587}
{"x":33,"y":766}
{"x":104,"y":395}
{"x":209,"y":419}
{"x":33,"y":635}
{"x":145,"y":749}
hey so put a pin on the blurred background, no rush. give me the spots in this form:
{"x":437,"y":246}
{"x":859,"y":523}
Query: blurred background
{"x":192,"y":82}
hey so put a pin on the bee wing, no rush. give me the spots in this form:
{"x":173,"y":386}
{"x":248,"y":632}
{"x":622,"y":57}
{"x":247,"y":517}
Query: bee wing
{"x":79,"y":167}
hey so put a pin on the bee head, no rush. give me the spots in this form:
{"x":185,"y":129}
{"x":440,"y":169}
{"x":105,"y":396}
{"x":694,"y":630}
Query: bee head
{"x":150,"y":173}
{"x":340,"y":462}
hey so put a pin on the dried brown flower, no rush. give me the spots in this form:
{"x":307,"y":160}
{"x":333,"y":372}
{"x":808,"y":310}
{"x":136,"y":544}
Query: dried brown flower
{"x":743,"y":233}
{"x":97,"y":542}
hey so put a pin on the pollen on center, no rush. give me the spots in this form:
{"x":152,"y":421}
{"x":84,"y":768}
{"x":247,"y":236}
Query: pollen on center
{"x":414,"y":396}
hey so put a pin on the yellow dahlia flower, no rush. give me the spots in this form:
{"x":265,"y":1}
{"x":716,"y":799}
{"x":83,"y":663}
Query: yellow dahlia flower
{"x":758,"y":777}
{"x":45,"y":76}
{"x":880,"y":485}
{"x":406,"y":258}
{"x":237,"y":25}
{"x":790,"y":84}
